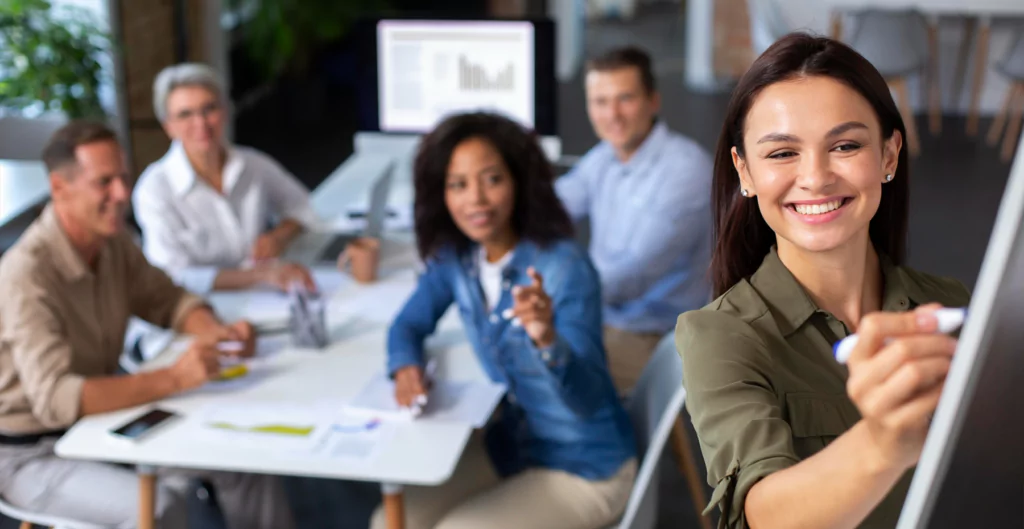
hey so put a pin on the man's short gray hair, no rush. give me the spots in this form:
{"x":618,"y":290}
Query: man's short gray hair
{"x":185,"y":74}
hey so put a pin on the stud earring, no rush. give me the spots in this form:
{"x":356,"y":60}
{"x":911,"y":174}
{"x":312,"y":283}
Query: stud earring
{"x":888,"y":177}
{"x":744,"y":192}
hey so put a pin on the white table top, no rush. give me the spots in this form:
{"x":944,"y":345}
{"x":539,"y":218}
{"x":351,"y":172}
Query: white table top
{"x":937,"y":7}
{"x":23,"y":184}
{"x":422,"y":452}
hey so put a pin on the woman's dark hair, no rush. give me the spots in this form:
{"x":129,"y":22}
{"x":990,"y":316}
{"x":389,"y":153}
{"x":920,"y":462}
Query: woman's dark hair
{"x":537,"y":213}
{"x":743,"y":238}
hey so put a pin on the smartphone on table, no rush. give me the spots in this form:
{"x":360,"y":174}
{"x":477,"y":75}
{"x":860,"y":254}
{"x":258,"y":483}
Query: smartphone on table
{"x":143,"y":425}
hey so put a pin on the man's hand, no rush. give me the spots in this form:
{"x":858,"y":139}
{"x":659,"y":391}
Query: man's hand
{"x":199,"y":365}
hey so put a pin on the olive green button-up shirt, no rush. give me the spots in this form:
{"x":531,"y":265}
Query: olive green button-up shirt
{"x":763,"y":388}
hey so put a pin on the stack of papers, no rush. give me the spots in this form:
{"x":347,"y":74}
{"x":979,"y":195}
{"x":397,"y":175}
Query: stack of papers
{"x":470,"y":402}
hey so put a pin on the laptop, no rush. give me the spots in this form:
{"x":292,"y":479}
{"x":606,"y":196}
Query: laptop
{"x":375,"y":217}
{"x":971,"y":471}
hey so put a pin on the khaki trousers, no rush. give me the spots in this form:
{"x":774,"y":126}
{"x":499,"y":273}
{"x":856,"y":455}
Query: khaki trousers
{"x":628,"y":354}
{"x":476,"y":497}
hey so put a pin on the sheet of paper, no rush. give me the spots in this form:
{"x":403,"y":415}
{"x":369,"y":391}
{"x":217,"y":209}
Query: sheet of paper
{"x":329,"y":280}
{"x":266,"y":426}
{"x":356,"y":439}
{"x":318,"y":430}
{"x":378,"y":302}
{"x":470,"y":402}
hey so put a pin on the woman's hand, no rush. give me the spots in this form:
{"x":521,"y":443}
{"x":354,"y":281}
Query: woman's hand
{"x":897,"y":371}
{"x":531,"y":308}
{"x":281,"y":275}
{"x":269,"y":245}
{"x":409,"y":385}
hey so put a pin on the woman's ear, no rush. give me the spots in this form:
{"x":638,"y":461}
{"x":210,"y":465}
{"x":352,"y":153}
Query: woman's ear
{"x":746,"y":184}
{"x":891,"y":153}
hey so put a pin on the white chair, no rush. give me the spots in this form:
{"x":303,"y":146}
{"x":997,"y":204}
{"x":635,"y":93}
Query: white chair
{"x":767,"y":24}
{"x":654,"y":407}
{"x":896,"y":43}
{"x":28,"y":519}
{"x":1010,"y":116}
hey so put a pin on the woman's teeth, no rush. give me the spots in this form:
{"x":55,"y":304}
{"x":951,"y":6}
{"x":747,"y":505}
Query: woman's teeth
{"x":817,"y":209}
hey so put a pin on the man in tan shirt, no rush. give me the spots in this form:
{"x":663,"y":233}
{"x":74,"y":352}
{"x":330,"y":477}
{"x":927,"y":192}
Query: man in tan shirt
{"x":68,"y":288}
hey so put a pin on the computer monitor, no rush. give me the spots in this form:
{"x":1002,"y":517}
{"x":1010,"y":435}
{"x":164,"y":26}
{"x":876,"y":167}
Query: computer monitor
{"x":415,"y":72}
{"x":971,"y":471}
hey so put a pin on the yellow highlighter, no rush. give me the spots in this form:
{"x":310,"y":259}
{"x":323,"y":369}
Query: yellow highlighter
{"x":234,"y":371}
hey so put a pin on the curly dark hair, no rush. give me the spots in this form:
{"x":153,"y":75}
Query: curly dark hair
{"x":537,"y":213}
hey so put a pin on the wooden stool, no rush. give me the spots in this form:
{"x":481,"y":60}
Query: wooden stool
{"x":1010,"y":116}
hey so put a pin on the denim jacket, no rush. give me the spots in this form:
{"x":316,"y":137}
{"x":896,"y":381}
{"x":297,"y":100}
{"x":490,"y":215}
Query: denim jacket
{"x":561,"y":410}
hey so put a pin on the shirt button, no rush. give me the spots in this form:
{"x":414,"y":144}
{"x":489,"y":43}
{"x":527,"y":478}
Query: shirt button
{"x":506,"y":284}
{"x":494,"y":318}
{"x":511,"y":398}
{"x":545,"y":356}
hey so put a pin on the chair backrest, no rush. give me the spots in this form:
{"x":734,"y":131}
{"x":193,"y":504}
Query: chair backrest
{"x":767,"y":24}
{"x":895,"y":42}
{"x":42,"y":519}
{"x":654,"y":406}
{"x":1012,"y":64}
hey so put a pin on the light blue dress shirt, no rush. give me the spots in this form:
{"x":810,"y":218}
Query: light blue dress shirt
{"x":650,"y":227}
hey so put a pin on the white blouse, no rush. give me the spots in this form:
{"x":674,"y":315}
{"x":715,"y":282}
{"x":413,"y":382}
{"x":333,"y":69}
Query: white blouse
{"x":190,"y":230}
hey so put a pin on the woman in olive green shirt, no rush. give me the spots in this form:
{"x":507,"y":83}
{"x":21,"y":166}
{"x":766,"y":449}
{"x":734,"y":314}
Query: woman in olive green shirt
{"x":811,"y":198}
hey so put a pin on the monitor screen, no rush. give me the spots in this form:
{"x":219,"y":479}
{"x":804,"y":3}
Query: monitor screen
{"x":421,"y":71}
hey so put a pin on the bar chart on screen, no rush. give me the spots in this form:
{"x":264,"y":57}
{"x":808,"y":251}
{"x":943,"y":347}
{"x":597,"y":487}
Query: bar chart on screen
{"x":474,"y":77}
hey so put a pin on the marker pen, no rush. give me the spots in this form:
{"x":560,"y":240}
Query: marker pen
{"x":949,"y":320}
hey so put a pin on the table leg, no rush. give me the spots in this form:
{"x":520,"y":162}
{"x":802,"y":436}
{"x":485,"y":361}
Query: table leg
{"x":147,"y":497}
{"x":394,"y":506}
{"x":837,"y":25}
{"x":980,"y":69}
{"x":962,"y":55}
{"x":933,"y":79}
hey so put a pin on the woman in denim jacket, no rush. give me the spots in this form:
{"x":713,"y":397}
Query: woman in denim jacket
{"x":560,"y":452}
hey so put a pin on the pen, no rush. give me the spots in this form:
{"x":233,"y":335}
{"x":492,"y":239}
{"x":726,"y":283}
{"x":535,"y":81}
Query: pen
{"x":949,"y":320}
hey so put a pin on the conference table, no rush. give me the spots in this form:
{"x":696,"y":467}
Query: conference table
{"x":978,"y":13}
{"x":420,"y":452}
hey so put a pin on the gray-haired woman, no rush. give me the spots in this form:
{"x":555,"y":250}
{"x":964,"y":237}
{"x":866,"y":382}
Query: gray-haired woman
{"x":205,"y":207}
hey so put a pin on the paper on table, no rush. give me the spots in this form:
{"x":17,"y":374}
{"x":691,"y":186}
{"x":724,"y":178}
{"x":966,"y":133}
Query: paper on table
{"x":356,"y":439}
{"x":269,"y":426}
{"x":328,"y":280}
{"x":461,"y":401}
{"x":316,"y":430}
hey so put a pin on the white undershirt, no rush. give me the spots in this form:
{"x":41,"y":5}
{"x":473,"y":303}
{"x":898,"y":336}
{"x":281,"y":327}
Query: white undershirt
{"x":490,"y":277}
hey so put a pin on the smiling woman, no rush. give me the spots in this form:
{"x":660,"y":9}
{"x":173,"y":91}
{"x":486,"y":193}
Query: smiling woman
{"x":810,"y":203}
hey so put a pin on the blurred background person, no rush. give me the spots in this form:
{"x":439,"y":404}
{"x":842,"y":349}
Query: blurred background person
{"x":213,"y":215}
{"x":646,"y":193}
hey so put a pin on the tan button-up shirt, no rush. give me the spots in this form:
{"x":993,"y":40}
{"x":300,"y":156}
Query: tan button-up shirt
{"x":762,"y":386}
{"x":62,"y":322}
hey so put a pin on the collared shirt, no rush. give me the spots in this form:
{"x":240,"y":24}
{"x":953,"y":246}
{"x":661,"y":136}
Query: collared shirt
{"x":650,"y":227}
{"x":762,"y":386}
{"x":561,"y":410}
{"x":191,"y":230}
{"x":62,"y":322}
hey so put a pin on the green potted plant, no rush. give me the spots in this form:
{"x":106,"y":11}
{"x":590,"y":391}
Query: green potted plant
{"x":50,"y":59}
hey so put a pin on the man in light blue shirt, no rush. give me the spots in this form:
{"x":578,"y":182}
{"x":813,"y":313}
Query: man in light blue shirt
{"x":647,"y":193}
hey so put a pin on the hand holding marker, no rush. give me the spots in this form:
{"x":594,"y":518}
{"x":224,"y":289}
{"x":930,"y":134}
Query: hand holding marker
{"x":235,"y":370}
{"x":416,"y":408}
{"x":949,"y":320}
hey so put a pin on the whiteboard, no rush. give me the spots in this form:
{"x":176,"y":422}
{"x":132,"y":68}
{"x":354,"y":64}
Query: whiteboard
{"x":971,"y":471}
